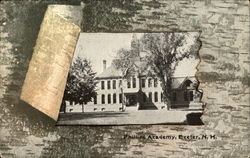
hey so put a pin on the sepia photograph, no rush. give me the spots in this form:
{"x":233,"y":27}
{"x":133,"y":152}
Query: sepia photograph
{"x":133,"y":78}
{"x":124,"y":79}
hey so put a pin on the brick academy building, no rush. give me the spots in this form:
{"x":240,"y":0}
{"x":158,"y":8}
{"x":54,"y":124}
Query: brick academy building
{"x":139,"y":92}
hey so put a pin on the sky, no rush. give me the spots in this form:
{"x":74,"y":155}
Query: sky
{"x":97,"y":47}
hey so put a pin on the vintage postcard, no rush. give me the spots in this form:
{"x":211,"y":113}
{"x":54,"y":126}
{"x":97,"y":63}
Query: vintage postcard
{"x":181,"y":64}
{"x":133,"y":78}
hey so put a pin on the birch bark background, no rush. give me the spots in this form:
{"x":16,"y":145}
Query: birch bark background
{"x":223,"y":73}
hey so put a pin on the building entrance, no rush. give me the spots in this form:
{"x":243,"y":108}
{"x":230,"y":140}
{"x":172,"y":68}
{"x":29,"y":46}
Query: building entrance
{"x":131,"y":99}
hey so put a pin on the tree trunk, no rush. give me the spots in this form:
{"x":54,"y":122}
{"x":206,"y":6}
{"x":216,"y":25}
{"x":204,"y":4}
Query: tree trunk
{"x":166,"y":87}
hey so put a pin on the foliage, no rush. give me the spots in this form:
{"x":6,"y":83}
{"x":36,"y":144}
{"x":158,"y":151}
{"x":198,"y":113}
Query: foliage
{"x":125,"y":58}
{"x":81,"y":83}
{"x":163,"y":52}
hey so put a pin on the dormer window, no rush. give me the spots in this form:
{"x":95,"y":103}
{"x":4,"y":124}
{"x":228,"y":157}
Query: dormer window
{"x":129,"y":83}
{"x":143,"y":82}
{"x":149,"y":82}
{"x":155,"y":82}
{"x":188,"y":83}
{"x":134,"y":82}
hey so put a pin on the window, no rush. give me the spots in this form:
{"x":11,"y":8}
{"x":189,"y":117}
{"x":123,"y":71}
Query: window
{"x":103,"y":99}
{"x":156,"y":96}
{"x":143,"y":82}
{"x":108,"y":84}
{"x":120,"y":83}
{"x":185,"y":96}
{"x":161,"y":97}
{"x":109,"y":99}
{"x":129,"y":83}
{"x":114,"y":98}
{"x":174,"y":96}
{"x":149,"y":82}
{"x":120,"y":98}
{"x":191,"y":96}
{"x":114,"y":84}
{"x":188,"y":83}
{"x":102,"y":85}
{"x":144,"y":97}
{"x":150,"y":96}
{"x":134,"y":82}
{"x":95,"y":99}
{"x":155,"y":82}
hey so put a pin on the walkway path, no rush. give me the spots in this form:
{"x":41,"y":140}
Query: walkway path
{"x":122,"y":118}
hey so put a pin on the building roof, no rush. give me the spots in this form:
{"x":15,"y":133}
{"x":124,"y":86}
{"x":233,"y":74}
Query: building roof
{"x":178,"y":81}
{"x":113,"y":72}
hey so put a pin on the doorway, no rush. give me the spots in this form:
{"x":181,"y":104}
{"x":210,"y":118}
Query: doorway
{"x":131,"y":99}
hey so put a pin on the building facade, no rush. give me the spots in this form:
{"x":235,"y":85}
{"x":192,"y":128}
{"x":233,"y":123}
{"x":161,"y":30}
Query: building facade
{"x":115,"y":92}
{"x":140,"y":92}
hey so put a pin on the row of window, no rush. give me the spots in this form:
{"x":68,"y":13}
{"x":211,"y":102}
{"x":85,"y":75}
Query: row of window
{"x":188,"y":96}
{"x":150,"y":82}
{"x":109,"y":98}
{"x":114,"y":98}
{"x":151,"y":96}
{"x":131,"y":83}
{"x":109,"y":84}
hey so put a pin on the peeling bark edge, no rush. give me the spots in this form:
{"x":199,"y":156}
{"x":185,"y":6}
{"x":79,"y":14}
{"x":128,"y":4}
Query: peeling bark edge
{"x":48,"y":69}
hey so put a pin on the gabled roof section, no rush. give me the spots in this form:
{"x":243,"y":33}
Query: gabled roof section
{"x":177,"y":82}
{"x":113,"y":72}
{"x":110,"y":72}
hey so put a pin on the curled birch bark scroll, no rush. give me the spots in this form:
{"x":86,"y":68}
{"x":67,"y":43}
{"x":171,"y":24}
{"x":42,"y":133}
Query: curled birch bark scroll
{"x":48,"y":69}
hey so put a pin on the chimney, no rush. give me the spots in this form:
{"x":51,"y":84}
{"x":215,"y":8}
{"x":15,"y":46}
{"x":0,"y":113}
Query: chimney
{"x":104,"y":65}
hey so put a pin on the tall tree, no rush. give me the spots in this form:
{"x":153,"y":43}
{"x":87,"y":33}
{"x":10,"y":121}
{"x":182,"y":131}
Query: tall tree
{"x":163,"y":53}
{"x":124,"y":61}
{"x":81,"y":83}
{"x":125,"y":58}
